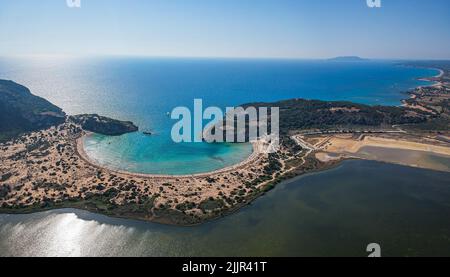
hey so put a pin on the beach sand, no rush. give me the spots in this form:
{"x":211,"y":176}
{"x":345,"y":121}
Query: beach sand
{"x":50,"y":169}
{"x":411,"y":153}
{"x":346,"y":145}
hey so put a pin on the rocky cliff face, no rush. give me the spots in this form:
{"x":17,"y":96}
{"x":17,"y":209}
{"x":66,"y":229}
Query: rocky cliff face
{"x":103,"y":125}
{"x":21,"y":111}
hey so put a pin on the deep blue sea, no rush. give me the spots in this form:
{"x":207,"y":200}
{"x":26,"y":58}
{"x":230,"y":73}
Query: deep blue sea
{"x":144,"y":90}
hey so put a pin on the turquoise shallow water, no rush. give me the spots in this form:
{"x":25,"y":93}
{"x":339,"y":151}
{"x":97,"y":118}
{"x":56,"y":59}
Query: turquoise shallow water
{"x":136,"y":154}
{"x":143,"y":90}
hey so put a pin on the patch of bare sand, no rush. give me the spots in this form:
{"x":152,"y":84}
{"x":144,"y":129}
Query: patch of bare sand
{"x":345,"y":145}
{"x":397,"y":151}
{"x":326,"y":157}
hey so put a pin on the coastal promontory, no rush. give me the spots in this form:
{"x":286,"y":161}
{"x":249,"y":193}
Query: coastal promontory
{"x":103,"y":125}
{"x":21,"y":111}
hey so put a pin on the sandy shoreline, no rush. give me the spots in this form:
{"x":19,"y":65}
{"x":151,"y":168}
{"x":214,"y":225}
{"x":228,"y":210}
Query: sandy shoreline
{"x":435,"y":83}
{"x":57,"y":172}
{"x":441,"y":73}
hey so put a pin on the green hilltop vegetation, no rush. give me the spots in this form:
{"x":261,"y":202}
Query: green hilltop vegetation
{"x":301,"y":114}
{"x":324,"y":116}
{"x":21,"y":111}
{"x":103,"y":125}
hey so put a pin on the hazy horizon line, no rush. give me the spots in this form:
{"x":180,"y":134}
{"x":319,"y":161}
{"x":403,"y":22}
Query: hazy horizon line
{"x":212,"y":57}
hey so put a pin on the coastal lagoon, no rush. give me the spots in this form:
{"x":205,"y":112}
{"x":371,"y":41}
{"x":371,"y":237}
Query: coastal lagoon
{"x":138,"y":153}
{"x":144,"y":90}
{"x":332,"y":213}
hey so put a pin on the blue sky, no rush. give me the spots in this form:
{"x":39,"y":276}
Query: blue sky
{"x":405,"y":29}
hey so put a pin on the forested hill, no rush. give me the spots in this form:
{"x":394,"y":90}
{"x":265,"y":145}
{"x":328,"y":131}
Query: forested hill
{"x":300,"y":114}
{"x":21,"y":111}
{"x":103,"y":125}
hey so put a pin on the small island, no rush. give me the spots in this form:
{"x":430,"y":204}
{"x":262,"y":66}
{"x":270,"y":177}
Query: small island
{"x":43,"y":164}
{"x":348,"y":59}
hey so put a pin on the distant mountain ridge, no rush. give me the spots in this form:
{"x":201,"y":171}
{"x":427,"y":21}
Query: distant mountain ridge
{"x":348,"y":59}
{"x":21,"y":111}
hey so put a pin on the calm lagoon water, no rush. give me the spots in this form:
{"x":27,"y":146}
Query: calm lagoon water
{"x":333,"y":213}
{"x":144,"y":90}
